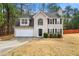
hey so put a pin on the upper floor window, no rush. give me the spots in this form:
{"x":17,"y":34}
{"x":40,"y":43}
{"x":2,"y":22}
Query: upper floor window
{"x":55,"y":21}
{"x":40,"y":21}
{"x":24,"y":21}
{"x":50,"y":21}
{"x":60,"y":21}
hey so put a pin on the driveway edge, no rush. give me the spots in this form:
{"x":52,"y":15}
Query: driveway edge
{"x":18,"y":45}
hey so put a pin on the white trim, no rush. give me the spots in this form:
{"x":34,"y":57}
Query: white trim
{"x":21,"y":24}
{"x":39,"y":13}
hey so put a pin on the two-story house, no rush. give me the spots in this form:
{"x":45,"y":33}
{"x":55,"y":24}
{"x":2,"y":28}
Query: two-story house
{"x":38,"y":24}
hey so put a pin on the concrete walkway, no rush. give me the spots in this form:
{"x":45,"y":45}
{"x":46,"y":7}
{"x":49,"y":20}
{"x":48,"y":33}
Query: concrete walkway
{"x":6,"y":45}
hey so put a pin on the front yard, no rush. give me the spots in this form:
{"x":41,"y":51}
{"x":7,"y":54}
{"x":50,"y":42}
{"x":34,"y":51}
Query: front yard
{"x":66,"y":46}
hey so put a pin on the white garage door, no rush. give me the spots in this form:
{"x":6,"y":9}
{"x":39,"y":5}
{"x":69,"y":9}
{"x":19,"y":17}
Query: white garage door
{"x":23,"y":32}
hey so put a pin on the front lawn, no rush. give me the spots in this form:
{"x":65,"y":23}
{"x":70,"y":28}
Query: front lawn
{"x":66,"y":46}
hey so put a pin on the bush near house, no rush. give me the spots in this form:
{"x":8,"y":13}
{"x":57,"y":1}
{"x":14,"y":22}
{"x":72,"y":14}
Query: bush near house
{"x":50,"y":35}
{"x":56,"y":35}
{"x":59,"y":36}
{"x":45,"y":35}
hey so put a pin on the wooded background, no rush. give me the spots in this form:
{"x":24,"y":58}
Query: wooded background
{"x":9,"y":13}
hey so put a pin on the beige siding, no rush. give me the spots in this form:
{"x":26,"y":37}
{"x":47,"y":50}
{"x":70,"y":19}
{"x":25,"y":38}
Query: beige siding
{"x":45,"y":25}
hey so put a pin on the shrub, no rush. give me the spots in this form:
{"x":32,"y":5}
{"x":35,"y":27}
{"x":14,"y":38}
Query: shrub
{"x":45,"y":35}
{"x":59,"y":36}
{"x":54,"y":35}
{"x":50,"y":35}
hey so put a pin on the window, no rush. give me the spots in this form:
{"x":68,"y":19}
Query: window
{"x":60,"y":21}
{"x":55,"y":21}
{"x":55,"y":30}
{"x":48,"y":20}
{"x":24,"y":21}
{"x":50,"y":31}
{"x":60,"y":31}
{"x":40,"y":21}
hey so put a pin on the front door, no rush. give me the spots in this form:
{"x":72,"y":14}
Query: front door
{"x":40,"y":32}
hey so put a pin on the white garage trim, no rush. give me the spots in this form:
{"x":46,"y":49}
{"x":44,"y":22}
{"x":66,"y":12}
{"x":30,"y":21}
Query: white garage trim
{"x":23,"y":32}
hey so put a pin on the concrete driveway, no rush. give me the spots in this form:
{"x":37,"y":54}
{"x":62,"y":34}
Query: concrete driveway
{"x":6,"y":45}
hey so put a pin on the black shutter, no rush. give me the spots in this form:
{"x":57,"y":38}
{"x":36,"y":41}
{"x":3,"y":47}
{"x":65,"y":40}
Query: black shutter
{"x":48,"y":20}
{"x":60,"y":21}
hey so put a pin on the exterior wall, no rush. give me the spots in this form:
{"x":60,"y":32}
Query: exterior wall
{"x":29,"y":32}
{"x":36,"y":26}
{"x":24,"y":24}
{"x":57,"y":26}
{"x":45,"y":25}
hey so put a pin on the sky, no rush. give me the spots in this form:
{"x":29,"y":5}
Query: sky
{"x":62,"y":5}
{"x":74,"y":5}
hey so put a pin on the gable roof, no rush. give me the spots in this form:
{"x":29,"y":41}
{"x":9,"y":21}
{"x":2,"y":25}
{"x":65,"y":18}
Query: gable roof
{"x":39,"y":13}
{"x":52,"y":15}
{"x":49,"y":15}
{"x":24,"y":16}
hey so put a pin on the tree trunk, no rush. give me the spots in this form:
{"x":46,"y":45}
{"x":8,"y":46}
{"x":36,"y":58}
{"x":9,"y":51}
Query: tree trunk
{"x":8,"y":19}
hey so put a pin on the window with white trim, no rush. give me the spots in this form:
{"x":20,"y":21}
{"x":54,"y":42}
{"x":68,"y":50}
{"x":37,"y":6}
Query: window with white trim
{"x":55,"y":30}
{"x":55,"y":21}
{"x":50,"y":21}
{"x":60,"y":31}
{"x":60,"y":21}
{"x":50,"y":31}
{"x":24,"y":21}
{"x":40,"y":21}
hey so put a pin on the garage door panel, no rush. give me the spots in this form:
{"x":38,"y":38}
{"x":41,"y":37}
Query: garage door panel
{"x":23,"y":32}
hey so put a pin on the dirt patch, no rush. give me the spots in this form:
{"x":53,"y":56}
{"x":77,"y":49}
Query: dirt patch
{"x":6,"y":37}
